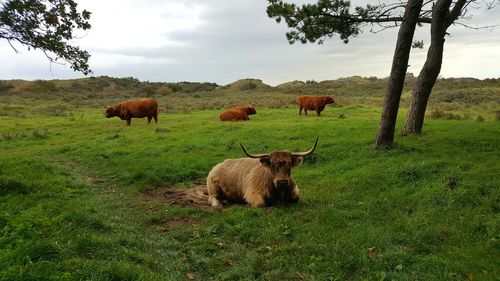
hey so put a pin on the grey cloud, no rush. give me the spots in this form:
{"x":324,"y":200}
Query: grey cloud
{"x":236,"y":40}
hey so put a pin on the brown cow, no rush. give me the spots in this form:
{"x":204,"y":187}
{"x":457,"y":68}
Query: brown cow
{"x":316,"y":103}
{"x":237,"y":113}
{"x":127,"y":110}
{"x":260,"y":180}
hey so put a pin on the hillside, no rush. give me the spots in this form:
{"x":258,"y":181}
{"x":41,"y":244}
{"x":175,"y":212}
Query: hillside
{"x":451,"y":98}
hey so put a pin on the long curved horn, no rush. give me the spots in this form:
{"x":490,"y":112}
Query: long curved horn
{"x":310,"y":151}
{"x":263,"y":155}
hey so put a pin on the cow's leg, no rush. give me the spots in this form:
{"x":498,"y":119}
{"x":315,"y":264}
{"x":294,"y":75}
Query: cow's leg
{"x":294,"y":196}
{"x":300,"y":110}
{"x":149,"y":119}
{"x":305,"y":111}
{"x":156,"y":117}
{"x":128,"y":121}
{"x":255,"y":200}
{"x":214,"y":202}
{"x":213,"y":192}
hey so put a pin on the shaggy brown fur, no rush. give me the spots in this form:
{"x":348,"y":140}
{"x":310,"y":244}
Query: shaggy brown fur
{"x":316,"y":103}
{"x":237,"y":114}
{"x":126,"y":110}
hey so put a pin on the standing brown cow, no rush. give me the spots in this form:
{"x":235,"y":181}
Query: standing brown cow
{"x":127,"y":110}
{"x":260,"y":180}
{"x":237,"y":113}
{"x":316,"y":103}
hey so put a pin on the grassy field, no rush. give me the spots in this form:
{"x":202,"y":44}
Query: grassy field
{"x":72,"y":183}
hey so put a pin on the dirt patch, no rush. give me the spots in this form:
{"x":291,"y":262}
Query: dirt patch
{"x":165,"y":225}
{"x":196,"y":195}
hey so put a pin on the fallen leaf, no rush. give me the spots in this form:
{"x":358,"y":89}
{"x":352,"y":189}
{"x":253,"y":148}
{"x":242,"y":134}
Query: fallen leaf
{"x":407,"y":249}
{"x":229,"y":262}
{"x":190,"y":275}
{"x":371,"y":251}
{"x":220,"y":244}
{"x":269,"y":248}
{"x":471,"y":276}
{"x":184,"y":257}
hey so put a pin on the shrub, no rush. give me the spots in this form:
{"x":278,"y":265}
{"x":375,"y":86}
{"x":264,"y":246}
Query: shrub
{"x":5,"y":86}
{"x":249,"y":84}
{"x":111,"y":89}
{"x":175,"y":87}
{"x":440,"y":114}
{"x":145,"y":91}
{"x":164,"y":90}
{"x":437,"y":114}
{"x":45,"y":86}
{"x":38,"y":86}
{"x":192,"y":87}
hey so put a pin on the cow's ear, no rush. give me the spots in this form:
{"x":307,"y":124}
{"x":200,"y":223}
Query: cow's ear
{"x":297,"y":160}
{"x":265,"y":161}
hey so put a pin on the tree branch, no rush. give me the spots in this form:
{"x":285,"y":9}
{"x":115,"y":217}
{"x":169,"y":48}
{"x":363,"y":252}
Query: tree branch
{"x":455,"y":12}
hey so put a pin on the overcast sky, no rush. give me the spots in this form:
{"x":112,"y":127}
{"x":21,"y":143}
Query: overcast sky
{"x":223,"y":41}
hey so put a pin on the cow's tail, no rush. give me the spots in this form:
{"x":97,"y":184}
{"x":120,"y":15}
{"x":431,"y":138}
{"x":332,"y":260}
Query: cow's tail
{"x":155,"y":109}
{"x":196,"y":194}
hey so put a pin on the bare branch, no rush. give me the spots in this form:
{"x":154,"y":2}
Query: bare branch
{"x":12,"y":46}
{"x":490,"y":27}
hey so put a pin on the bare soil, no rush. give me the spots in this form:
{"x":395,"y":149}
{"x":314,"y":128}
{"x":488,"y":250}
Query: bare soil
{"x":196,"y":195}
{"x":166,"y":225}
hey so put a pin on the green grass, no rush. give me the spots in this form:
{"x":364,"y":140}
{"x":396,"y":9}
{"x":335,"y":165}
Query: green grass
{"x":71,"y":206}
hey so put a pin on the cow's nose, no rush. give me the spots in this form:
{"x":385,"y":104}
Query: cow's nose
{"x":282,"y":182}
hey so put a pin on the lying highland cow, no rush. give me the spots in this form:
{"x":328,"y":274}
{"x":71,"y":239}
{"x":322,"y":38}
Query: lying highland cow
{"x":260,"y":180}
{"x":127,"y":110}
{"x":237,"y":113}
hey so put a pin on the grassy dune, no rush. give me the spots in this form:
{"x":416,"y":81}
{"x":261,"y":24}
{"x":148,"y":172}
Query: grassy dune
{"x":72,"y":204}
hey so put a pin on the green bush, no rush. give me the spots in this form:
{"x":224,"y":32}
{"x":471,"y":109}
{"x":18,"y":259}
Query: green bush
{"x":5,"y":86}
{"x":145,"y":91}
{"x":440,"y":114}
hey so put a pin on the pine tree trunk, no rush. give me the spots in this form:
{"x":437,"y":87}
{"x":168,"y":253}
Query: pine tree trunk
{"x":430,"y":71}
{"x":422,"y":90}
{"x":385,"y":134}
